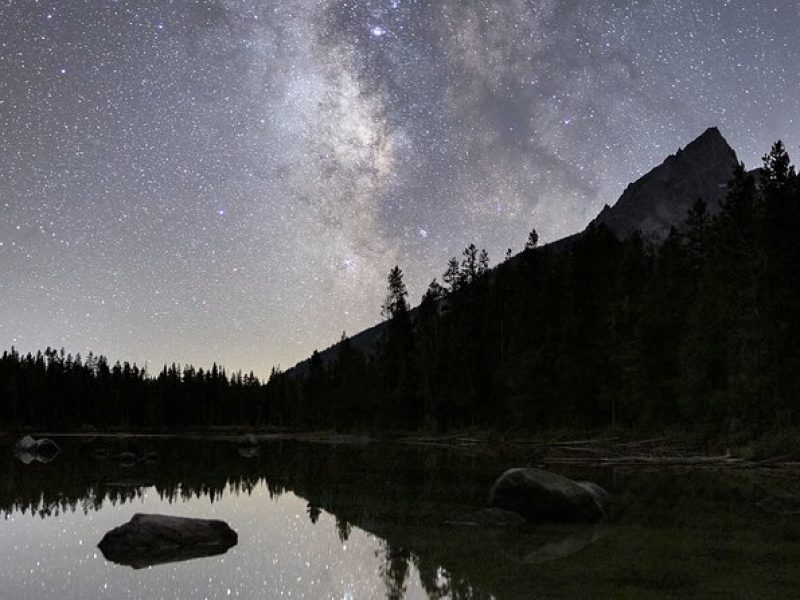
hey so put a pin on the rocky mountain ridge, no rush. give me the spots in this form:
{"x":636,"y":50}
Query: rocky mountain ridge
{"x":661,"y":198}
{"x":656,"y":202}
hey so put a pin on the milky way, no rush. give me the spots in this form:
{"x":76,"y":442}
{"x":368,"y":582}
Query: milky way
{"x":230,"y":181}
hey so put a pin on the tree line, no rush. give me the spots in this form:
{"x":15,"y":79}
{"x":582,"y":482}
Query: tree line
{"x":700,"y":330}
{"x":56,"y":391}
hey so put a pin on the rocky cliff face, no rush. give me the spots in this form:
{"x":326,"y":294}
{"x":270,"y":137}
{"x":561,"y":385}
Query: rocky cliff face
{"x":662,"y":197}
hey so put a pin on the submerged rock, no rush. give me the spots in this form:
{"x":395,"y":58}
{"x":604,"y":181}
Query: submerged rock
{"x":126,"y":459}
{"x":780,"y":504}
{"x":29,"y":450}
{"x":129,"y":459}
{"x":600,"y":495}
{"x":148,"y":540}
{"x":100,"y":453}
{"x":549,"y":542}
{"x":248,"y":451}
{"x":249,"y":448}
{"x":490,"y":518}
{"x":541,"y":495}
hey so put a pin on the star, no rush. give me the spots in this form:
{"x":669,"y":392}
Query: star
{"x":308,"y":141}
{"x":377,"y":31}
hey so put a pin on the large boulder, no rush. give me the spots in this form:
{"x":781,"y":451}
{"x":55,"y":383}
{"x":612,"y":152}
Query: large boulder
{"x":29,"y":450}
{"x":541,"y":495}
{"x":148,"y":540}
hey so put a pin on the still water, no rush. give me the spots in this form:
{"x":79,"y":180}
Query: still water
{"x":371,"y":521}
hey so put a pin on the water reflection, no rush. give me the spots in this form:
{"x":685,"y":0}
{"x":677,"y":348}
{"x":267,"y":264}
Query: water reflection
{"x":546,"y":542}
{"x":374,"y":521}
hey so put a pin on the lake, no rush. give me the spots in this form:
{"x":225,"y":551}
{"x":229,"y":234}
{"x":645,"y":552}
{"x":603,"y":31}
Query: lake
{"x":371,"y":521}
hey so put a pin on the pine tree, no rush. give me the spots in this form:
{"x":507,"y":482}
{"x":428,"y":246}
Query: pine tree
{"x":697,"y":224}
{"x":533,"y":240}
{"x":777,"y":170}
{"x":434,"y":292}
{"x":452,"y":276}
{"x":483,"y":262}
{"x":469,"y":265}
{"x":396,"y":303}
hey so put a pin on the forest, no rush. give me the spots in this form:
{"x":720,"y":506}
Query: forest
{"x":697,"y":332}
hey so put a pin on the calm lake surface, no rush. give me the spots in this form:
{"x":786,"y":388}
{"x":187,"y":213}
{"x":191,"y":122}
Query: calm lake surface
{"x":371,"y":521}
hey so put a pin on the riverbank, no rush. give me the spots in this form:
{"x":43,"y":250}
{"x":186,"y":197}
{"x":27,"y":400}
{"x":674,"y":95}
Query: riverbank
{"x":779,"y":449}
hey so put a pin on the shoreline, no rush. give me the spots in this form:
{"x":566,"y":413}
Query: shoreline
{"x":546,"y":450}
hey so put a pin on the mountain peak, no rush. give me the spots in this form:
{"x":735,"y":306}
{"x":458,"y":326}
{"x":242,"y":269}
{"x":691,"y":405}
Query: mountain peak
{"x":710,"y":140}
{"x":711,"y":133}
{"x":660,"y":199}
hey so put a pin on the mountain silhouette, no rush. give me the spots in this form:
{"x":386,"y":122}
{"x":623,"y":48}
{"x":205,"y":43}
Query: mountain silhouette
{"x":660,"y":199}
{"x":652,"y":205}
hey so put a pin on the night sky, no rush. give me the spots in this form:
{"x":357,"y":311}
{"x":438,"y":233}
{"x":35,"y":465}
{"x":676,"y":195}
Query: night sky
{"x":230,"y":181}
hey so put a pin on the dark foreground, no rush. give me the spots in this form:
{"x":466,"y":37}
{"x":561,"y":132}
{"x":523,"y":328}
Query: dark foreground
{"x":367,"y":520}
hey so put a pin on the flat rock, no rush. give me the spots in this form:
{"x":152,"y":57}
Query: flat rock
{"x":540,"y":495}
{"x":148,"y":540}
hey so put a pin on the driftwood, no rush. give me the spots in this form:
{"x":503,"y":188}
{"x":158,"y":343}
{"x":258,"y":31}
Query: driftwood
{"x":725,"y":460}
{"x":775,"y":460}
{"x":610,"y":451}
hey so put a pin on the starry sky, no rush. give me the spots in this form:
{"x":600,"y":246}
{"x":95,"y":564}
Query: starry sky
{"x":230,"y":180}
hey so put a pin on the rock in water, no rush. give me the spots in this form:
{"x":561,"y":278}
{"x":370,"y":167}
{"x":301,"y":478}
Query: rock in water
{"x":250,"y":448}
{"x":550,"y":541}
{"x":540,"y":495}
{"x":148,"y":540}
{"x":248,"y":451}
{"x":30,"y":450}
{"x":490,"y":518}
{"x":595,"y":490}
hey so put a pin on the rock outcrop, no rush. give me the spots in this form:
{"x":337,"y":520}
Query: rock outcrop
{"x":540,"y":495}
{"x":661,"y":198}
{"x":148,"y":540}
